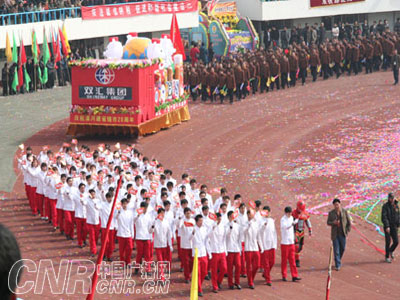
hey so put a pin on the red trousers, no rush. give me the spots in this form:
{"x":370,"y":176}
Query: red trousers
{"x":243,"y":261}
{"x":81,"y":230}
{"x":94,"y":231}
{"x":125,"y":249}
{"x":218,"y":269}
{"x":178,"y":243}
{"x":187,"y":261}
{"x":110,"y":243}
{"x":252,"y":265}
{"x":267,"y":262}
{"x":202,"y":268}
{"x":69,"y":223}
{"x":28,"y":196}
{"x":53,"y":203}
{"x":234,"y":260}
{"x":47,"y":208}
{"x":287,"y":254}
{"x":162,"y":255}
{"x":32,"y":197}
{"x":39,"y":198}
{"x":60,"y":219}
{"x":144,"y":251}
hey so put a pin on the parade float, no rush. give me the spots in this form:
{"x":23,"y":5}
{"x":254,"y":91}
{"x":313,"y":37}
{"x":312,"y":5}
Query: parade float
{"x":136,"y":90}
{"x":227,"y":32}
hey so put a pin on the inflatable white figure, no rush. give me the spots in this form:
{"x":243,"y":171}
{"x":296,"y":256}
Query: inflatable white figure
{"x":167,"y":50}
{"x":155,"y":50}
{"x":114,"y":49}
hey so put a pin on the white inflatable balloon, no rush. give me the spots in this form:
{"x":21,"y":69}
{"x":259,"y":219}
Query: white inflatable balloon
{"x":114,"y":50}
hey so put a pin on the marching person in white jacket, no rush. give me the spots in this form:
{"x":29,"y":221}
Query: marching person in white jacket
{"x":287,"y":245}
{"x":93,"y":207}
{"x":267,"y":240}
{"x":199,"y":239}
{"x":105,"y":211}
{"x":218,"y":251}
{"x":162,"y":241}
{"x":125,"y":232}
{"x":233,"y":247}
{"x":251,"y":252}
{"x":80,"y":215}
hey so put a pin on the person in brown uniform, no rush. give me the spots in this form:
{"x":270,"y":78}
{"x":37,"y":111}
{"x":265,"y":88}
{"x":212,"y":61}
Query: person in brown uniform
{"x":303,"y":64}
{"x":284,"y":63}
{"x":293,"y":66}
{"x":204,"y":81}
{"x":239,"y":79}
{"x":194,"y":81}
{"x":275,"y":68}
{"x":387,"y":53}
{"x":230,"y":84}
{"x":264,"y":75}
{"x":325,"y":62}
{"x":369,"y":55}
{"x":377,"y":54}
{"x":212,"y":83}
{"x":337,"y":59}
{"x":314,"y":62}
{"x":221,"y":85}
{"x":355,"y":58}
{"x":246,"y":79}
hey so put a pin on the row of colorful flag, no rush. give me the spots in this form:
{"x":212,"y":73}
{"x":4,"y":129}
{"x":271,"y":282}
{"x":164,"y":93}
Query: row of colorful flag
{"x":59,"y":48}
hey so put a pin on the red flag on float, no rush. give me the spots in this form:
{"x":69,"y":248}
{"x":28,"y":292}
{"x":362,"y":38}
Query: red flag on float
{"x":176,"y":37}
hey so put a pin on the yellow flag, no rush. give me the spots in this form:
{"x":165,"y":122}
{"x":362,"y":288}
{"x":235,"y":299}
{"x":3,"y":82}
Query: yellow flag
{"x":66,"y":39}
{"x":194,"y":289}
{"x":319,"y":68}
{"x":288,"y":77}
{"x":269,"y":81}
{"x":8,"y":49}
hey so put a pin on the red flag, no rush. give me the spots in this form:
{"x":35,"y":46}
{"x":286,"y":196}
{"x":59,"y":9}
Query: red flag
{"x":212,"y":216}
{"x":252,"y":204}
{"x":57,"y":55}
{"x":188,"y":224}
{"x":22,"y":53}
{"x":176,"y":37}
{"x":140,"y":211}
{"x":22,"y":60}
{"x":63,"y":44}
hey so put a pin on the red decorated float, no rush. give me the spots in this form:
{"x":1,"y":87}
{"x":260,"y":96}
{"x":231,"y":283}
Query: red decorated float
{"x":136,"y":96}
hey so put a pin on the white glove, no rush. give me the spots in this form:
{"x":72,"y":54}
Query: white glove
{"x":210,"y":256}
{"x":171,"y":248}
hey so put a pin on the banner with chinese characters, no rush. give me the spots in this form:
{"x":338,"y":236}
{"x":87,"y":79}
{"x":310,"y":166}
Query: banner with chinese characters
{"x":224,"y":9}
{"x":137,"y":9}
{"x":103,"y":119}
{"x":319,"y":3}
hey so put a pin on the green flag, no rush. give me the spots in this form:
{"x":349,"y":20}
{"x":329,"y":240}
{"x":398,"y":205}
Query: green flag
{"x":27,"y":80}
{"x":34,"y":48}
{"x":14,"y":51}
{"x":15,"y":82}
{"x":46,"y":57}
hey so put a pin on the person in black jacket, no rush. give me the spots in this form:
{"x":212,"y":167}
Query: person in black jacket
{"x":391,"y":223}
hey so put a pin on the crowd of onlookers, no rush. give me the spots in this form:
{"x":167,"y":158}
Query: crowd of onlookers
{"x":316,"y":34}
{"x":21,"y":6}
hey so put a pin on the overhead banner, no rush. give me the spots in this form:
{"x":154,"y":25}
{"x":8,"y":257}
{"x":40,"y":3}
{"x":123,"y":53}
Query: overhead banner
{"x":137,"y":9}
{"x":319,"y":3}
{"x":224,"y":9}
